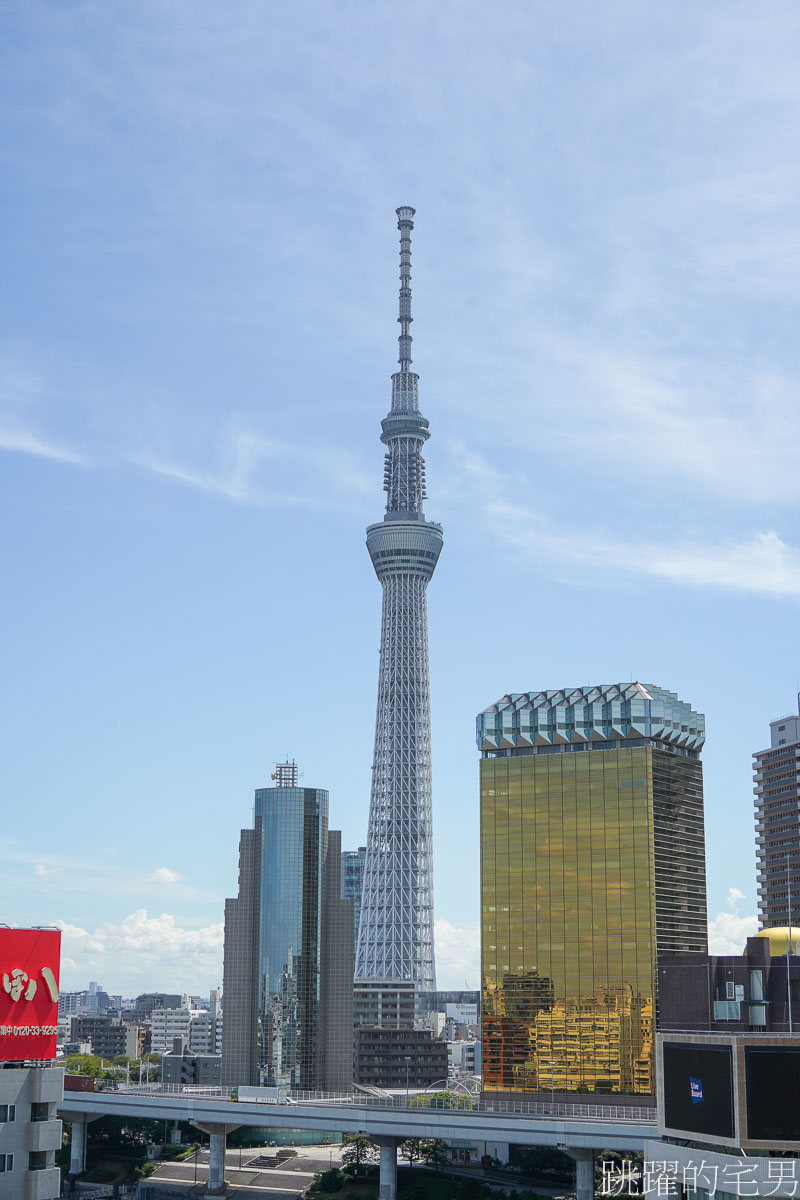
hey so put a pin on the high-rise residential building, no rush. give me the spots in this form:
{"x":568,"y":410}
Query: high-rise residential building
{"x":288,"y":963}
{"x":395,"y":937}
{"x":592,"y":864}
{"x":777,"y":790}
{"x":353,"y":883}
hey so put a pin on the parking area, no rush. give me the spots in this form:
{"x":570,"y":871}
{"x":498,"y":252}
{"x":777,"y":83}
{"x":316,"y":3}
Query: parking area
{"x":253,"y":1172}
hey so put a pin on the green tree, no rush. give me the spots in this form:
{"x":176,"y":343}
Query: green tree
{"x":357,"y":1151}
{"x":443,"y":1100}
{"x":411,"y":1150}
{"x":85,"y":1064}
{"x":473,"y":1189}
{"x":434,"y":1152}
{"x":542,"y":1162}
{"x":332,"y":1180}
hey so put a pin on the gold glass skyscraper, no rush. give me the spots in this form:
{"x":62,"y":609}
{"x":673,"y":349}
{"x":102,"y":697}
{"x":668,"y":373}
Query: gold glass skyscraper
{"x":592,"y":862}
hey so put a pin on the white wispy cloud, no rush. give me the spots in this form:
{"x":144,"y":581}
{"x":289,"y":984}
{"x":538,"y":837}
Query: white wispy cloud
{"x":21,"y":441}
{"x":23,"y":396}
{"x":139,"y":949}
{"x":242,"y":474}
{"x":759,"y":564}
{"x":722,"y":426}
{"x":164,"y":875}
{"x":79,"y":876}
{"x":243,"y":454}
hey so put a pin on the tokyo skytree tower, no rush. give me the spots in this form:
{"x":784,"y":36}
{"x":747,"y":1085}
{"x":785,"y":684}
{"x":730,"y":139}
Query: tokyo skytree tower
{"x":395,"y":935}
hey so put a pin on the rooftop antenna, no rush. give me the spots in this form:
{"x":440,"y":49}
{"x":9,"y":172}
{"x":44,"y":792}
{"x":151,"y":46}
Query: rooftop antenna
{"x":286,"y":774}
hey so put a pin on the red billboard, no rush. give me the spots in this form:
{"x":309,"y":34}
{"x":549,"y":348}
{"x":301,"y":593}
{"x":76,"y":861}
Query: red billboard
{"x":29,"y":969}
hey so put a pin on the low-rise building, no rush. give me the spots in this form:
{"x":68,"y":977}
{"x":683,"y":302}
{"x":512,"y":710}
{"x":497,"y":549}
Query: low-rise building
{"x":733,"y":993}
{"x":181,"y":1067}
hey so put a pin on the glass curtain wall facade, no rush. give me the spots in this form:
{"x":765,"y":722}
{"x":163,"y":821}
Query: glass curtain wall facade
{"x":294,"y":836}
{"x":592,"y":861}
{"x":353,"y":883}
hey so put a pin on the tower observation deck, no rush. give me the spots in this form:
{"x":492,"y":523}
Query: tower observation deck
{"x":395,"y":936}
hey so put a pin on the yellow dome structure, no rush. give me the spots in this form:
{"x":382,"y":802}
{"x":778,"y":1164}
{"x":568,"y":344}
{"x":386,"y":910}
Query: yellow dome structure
{"x":778,"y":937}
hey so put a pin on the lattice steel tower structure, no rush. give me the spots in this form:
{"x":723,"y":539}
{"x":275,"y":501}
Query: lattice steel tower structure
{"x":395,"y":936}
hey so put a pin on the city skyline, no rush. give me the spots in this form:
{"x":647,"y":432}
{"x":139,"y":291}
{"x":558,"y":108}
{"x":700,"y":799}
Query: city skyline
{"x":198,"y":290}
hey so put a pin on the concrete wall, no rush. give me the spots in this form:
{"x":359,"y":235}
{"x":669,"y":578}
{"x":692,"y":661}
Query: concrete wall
{"x":31,"y":1143}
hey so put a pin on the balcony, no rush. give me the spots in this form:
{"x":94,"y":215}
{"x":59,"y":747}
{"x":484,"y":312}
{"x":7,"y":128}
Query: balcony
{"x":45,"y":1135}
{"x":42,"y":1185}
{"x":47,"y":1085}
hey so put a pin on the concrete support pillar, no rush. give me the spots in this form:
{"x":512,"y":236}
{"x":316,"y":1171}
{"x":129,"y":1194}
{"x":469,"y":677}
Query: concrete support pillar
{"x":584,"y":1171}
{"x":216,"y":1162}
{"x":216,"y":1185}
{"x":77,"y":1147}
{"x":77,"y":1140}
{"x":388,"y":1177}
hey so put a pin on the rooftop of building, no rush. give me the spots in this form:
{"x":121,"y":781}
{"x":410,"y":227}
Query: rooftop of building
{"x":600,"y":713}
{"x":779,"y":937}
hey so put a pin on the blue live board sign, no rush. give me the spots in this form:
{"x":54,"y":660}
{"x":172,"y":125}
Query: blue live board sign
{"x":696,"y":1088}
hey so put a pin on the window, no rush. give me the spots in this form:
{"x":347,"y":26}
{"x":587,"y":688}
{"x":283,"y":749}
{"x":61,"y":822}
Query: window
{"x":8,"y":1112}
{"x":37,"y":1160}
{"x":6,"y":1162}
{"x":40,"y":1111}
{"x":727,"y":1010}
{"x":730,"y":990}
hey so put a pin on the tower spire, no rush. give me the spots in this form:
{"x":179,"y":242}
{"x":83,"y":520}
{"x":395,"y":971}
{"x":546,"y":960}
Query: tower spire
{"x":395,"y":936}
{"x":405,"y":223}
{"x":405,"y":384}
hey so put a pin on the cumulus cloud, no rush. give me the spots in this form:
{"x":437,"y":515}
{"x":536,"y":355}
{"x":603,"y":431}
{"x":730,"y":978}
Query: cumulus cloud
{"x":728,"y":931}
{"x":142,"y":951}
{"x":41,"y":870}
{"x":458,"y":955}
{"x":164,"y":875}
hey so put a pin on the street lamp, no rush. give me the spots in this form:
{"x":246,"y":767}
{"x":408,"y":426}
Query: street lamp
{"x":408,"y":1061}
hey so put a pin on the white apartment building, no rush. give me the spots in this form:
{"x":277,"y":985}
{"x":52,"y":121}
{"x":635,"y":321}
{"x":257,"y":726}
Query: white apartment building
{"x":205,"y":1033}
{"x":463,"y":1058}
{"x":201,"y":1030}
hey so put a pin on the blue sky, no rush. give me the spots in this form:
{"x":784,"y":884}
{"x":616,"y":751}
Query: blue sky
{"x":198,"y":306}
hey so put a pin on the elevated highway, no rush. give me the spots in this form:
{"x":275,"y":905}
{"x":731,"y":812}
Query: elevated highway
{"x":579,"y":1129}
